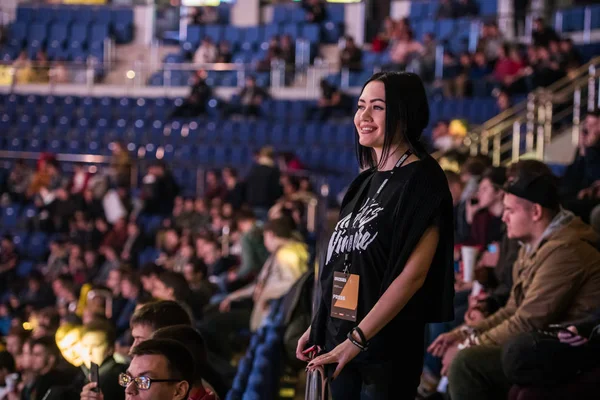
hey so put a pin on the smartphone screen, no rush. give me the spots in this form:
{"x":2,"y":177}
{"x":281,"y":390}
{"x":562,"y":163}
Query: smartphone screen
{"x":95,"y":376}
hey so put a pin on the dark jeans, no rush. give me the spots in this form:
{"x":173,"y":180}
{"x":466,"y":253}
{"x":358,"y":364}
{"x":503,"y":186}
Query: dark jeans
{"x":534,"y":359}
{"x":246,"y":110}
{"x":476,"y":373}
{"x":397,"y":378}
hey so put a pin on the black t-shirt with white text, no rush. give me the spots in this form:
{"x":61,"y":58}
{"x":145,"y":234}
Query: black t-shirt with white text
{"x":383,"y":234}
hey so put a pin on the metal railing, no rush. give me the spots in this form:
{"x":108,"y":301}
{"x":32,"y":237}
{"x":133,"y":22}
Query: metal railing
{"x":526,"y":128}
{"x":85,"y":72}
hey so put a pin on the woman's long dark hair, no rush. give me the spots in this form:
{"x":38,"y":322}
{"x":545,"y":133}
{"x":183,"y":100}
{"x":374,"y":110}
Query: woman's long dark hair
{"x":407,"y":115}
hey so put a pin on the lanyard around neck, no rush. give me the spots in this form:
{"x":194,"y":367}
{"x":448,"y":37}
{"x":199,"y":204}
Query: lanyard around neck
{"x":357,"y":206}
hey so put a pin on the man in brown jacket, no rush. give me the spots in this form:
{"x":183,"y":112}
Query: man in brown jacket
{"x":556,"y":279}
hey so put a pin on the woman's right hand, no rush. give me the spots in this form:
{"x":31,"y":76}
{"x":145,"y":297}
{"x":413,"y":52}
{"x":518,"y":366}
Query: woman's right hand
{"x":302,"y":342}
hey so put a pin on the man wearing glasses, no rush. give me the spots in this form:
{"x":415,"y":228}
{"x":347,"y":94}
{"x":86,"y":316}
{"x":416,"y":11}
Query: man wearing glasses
{"x":161,"y":369}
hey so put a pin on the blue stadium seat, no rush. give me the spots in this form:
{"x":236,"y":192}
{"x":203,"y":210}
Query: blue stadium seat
{"x":99,"y":33}
{"x":595,"y":20}
{"x":280,"y":14}
{"x":298,"y":15}
{"x":193,"y":37}
{"x":311,"y":32}
{"x":253,"y":36}
{"x":24,"y":268}
{"x":123,"y":25}
{"x":83,"y":14}
{"x":445,"y":28}
{"x":79,"y":36}
{"x":10,"y":216}
{"x":488,"y":8}
{"x":336,"y":13}
{"x":233,"y":35}
{"x":25,"y":14}
{"x":37,"y":246}
{"x":17,"y":34}
{"x":272,"y":30}
{"x":332,"y":32}
{"x":25,"y":125}
{"x":57,"y":35}
{"x":573,"y":19}
{"x":418,"y":10}
{"x":36,"y":36}
{"x":427,"y":27}
{"x":44,"y":15}
{"x":215,"y":32}
{"x":291,"y":29}
{"x":102,"y":15}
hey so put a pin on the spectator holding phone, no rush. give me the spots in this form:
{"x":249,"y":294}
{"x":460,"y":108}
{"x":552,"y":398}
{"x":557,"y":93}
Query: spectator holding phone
{"x":97,"y":343}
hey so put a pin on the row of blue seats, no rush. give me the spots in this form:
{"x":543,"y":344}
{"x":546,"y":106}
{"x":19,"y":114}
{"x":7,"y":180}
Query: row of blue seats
{"x":259,"y":370}
{"x":283,"y":13}
{"x":107,"y":113}
{"x":251,"y":38}
{"x":447,"y":29}
{"x":312,"y":134}
{"x":178,"y":78}
{"x":427,"y":9}
{"x":58,"y":40}
{"x":573,"y":19}
{"x":119,"y":20}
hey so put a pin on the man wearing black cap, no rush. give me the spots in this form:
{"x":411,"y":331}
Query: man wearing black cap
{"x":556,"y":279}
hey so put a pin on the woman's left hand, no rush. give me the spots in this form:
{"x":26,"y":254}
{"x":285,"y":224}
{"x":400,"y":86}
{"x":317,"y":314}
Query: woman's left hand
{"x":342,"y":354}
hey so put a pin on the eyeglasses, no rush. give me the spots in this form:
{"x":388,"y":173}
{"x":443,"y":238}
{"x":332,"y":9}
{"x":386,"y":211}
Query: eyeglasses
{"x":141,"y":382}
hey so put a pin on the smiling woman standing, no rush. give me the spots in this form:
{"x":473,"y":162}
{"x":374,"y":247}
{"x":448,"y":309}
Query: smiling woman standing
{"x":389,"y":264}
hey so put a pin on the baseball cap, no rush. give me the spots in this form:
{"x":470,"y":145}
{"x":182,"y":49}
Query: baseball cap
{"x":536,"y":188}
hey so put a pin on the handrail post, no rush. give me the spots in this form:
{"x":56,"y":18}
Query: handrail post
{"x":576,"y":116}
{"x":591,"y":87}
{"x":439,"y":62}
{"x":516,"y":141}
{"x":345,"y":78}
{"x":311,"y":215}
{"x":484,"y":147}
{"x":587,"y":25}
{"x":241,"y":74}
{"x":529,"y":139}
{"x":89,"y":73}
{"x":558,"y":22}
{"x":548,"y":112}
{"x":539,"y":147}
{"x":497,"y":150}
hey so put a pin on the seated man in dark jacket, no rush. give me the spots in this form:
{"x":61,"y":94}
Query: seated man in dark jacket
{"x":580,"y":189}
{"x":562,"y":361}
{"x":195,"y":103}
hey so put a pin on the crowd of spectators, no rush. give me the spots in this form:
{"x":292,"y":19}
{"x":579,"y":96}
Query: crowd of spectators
{"x":216,"y":262}
{"x":495,"y":64}
{"x":526,"y":319}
